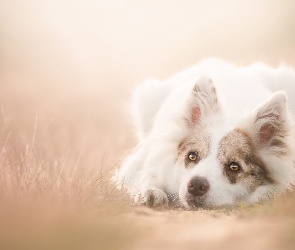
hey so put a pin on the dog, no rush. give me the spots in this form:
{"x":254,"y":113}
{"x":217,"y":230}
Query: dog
{"x":213,"y":135}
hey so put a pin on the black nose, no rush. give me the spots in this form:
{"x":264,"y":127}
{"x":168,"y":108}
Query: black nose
{"x":197,"y":186}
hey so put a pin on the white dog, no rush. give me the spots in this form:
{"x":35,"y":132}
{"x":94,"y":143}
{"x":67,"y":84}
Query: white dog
{"x":213,"y":135}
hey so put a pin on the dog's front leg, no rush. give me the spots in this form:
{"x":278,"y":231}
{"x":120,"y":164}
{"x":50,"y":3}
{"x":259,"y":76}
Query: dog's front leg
{"x":151,"y":197}
{"x":156,"y":176}
{"x":142,"y":179}
{"x":148,"y":171}
{"x":151,"y":191}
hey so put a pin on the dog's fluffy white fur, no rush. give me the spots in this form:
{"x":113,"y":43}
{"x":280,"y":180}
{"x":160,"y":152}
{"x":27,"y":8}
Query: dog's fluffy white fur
{"x":213,"y":135}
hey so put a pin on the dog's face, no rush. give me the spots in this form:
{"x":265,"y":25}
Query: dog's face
{"x":221,"y":170}
{"x":226,"y":163}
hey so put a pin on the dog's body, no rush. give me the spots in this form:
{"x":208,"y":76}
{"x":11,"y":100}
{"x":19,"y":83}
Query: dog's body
{"x":213,"y":135}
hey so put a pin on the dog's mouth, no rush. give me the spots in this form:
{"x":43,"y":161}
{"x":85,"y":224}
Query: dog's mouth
{"x":195,"y":202}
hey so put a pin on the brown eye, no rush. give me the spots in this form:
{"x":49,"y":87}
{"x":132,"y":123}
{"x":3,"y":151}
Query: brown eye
{"x":192,"y":156}
{"x":233,"y":166}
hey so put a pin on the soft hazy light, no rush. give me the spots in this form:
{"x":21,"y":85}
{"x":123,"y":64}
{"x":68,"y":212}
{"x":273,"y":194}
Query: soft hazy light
{"x":74,"y":62}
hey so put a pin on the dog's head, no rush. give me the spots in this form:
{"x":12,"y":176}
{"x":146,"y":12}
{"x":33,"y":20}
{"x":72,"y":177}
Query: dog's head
{"x":226,"y":162}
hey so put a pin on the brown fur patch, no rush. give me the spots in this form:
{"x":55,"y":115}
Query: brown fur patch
{"x":279,"y":144}
{"x":198,"y":142}
{"x":237,"y":146}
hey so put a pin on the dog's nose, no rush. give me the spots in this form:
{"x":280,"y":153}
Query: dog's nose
{"x":197,"y":186}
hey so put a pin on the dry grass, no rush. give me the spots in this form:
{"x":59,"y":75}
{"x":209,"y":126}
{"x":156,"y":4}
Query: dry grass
{"x":55,"y":204}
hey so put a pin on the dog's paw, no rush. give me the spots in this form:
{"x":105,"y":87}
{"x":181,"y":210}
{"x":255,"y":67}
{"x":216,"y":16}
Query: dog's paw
{"x":152,"y":198}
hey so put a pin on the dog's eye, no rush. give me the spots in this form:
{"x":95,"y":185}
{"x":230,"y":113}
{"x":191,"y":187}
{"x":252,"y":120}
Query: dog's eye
{"x":233,"y":166}
{"x":192,"y":156}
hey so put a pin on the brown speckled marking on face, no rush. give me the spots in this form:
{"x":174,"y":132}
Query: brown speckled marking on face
{"x":198,"y":142}
{"x":237,"y":146}
{"x":279,"y":144}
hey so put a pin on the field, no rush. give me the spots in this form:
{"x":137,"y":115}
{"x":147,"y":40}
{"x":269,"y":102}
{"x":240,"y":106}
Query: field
{"x":67,"y":70}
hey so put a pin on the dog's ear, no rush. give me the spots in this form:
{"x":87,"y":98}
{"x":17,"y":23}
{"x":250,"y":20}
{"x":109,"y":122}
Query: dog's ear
{"x":203,"y":100}
{"x":270,"y":121}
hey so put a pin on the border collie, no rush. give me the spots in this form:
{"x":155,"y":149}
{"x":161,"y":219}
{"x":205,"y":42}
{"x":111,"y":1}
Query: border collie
{"x":213,"y":135}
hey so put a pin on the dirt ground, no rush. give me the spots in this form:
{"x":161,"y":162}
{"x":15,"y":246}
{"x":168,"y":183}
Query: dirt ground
{"x":67,"y":70}
{"x":209,"y":230}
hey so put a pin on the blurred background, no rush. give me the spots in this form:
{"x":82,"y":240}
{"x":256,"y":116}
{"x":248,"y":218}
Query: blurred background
{"x":67,"y":68}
